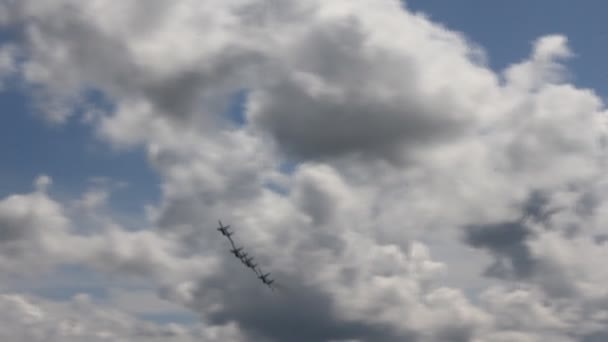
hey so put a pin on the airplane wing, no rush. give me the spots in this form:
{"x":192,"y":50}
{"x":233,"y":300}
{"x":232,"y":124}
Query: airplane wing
{"x":222,"y":227}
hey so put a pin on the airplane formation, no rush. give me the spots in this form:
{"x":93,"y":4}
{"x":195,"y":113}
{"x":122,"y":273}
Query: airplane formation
{"x":244,"y":257}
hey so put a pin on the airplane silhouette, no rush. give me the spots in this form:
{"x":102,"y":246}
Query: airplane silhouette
{"x":243,"y":256}
{"x":224,"y":230}
{"x":237,"y":252}
{"x":249,"y":263}
{"x":265,"y":280}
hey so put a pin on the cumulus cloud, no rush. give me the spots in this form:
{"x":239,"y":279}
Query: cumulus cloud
{"x":28,"y":224}
{"x":350,"y":90}
{"x":364,"y":163}
{"x":38,"y":233}
{"x":80,"y":319}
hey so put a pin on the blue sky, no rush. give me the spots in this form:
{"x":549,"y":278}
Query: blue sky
{"x":69,"y":153}
{"x":506,"y":30}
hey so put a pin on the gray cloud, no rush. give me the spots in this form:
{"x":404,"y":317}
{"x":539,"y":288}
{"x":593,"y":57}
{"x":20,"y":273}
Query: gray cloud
{"x":345,"y":97}
{"x":31,"y":319}
{"x":511,"y":245}
{"x":508,"y":240}
{"x":328,"y":80}
{"x":595,"y":337}
{"x":297,"y":311}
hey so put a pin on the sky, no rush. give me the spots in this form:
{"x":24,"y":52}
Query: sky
{"x":421,"y":171}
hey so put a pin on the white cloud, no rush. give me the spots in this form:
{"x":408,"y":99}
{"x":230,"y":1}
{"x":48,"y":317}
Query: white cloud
{"x":29,"y":225}
{"x":8,"y":62}
{"x":543,"y":66}
{"x":406,"y":144}
{"x":34,"y":319}
{"x":38,"y":233}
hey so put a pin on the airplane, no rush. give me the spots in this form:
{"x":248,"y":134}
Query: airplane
{"x":224,"y":230}
{"x":237,"y":252}
{"x":243,"y":256}
{"x":249,"y":263}
{"x":265,"y":280}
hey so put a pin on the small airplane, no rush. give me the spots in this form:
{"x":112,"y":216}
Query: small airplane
{"x":249,"y":263}
{"x":237,"y":252}
{"x":265,"y":280}
{"x":243,"y":256}
{"x":224,"y":229}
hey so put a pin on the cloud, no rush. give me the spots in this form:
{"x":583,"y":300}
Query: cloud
{"x":37,"y":233}
{"x":508,"y":240}
{"x":543,"y":65}
{"x":348,"y":90}
{"x":80,"y":319}
{"x":340,"y":306}
{"x":408,"y":151}
{"x":9,"y":54}
{"x":28,"y":224}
